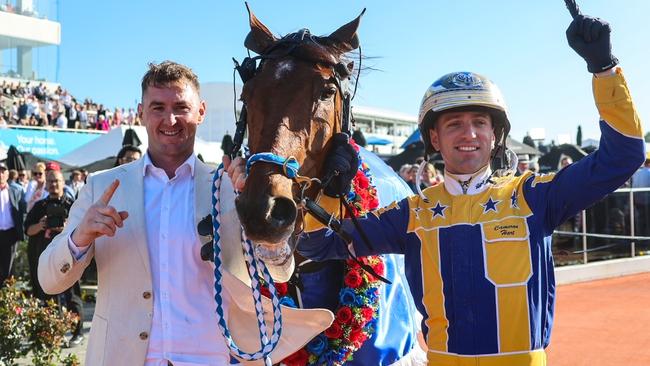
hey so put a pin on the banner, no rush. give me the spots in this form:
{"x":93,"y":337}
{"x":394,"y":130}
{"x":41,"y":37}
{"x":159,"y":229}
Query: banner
{"x":51,"y":144}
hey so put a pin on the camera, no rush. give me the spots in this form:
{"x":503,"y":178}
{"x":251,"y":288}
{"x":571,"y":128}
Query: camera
{"x":56,"y":214}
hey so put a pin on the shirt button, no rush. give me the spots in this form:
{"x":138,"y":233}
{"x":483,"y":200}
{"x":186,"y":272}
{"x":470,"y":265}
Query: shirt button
{"x":144,"y":335}
{"x":146,"y":295}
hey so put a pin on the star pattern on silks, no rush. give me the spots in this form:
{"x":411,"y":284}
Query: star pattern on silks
{"x":490,"y":205}
{"x":417,"y":210}
{"x":438,"y":209}
{"x":514,"y":199}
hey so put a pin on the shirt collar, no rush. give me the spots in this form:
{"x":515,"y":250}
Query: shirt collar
{"x":457,"y":184}
{"x":190,"y":162}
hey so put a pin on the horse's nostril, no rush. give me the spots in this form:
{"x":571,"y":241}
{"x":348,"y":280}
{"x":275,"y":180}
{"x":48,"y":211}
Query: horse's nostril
{"x":283,"y":212}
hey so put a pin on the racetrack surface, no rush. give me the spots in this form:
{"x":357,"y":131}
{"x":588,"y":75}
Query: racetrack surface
{"x":604,"y":322}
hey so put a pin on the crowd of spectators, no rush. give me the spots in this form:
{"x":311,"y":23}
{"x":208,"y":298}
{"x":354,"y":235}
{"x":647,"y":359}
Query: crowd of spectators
{"x":31,"y":104}
{"x":430,"y":176}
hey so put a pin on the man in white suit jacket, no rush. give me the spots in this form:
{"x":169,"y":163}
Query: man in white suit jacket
{"x":111,"y":225}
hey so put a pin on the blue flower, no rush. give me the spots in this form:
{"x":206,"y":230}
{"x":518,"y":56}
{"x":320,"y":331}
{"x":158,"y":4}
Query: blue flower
{"x":348,"y":297}
{"x":328,"y":358}
{"x":371,"y":294}
{"x":360,"y":299}
{"x":288,"y":301}
{"x":317,"y":345}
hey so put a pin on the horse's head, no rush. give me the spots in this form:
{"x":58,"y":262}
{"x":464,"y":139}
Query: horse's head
{"x":294,"y":104}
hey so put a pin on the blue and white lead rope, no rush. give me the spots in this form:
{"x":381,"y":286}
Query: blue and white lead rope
{"x":254,"y":265}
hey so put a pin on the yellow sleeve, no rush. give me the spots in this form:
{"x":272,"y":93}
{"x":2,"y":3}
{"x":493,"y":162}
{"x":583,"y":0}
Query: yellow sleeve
{"x":615,"y":104}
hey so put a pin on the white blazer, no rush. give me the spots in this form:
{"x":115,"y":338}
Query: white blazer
{"x":123,"y":313}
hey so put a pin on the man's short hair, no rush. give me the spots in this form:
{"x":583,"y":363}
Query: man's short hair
{"x":168,"y":72}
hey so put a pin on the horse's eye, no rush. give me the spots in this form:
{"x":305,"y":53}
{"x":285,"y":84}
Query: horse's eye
{"x":328,"y":92}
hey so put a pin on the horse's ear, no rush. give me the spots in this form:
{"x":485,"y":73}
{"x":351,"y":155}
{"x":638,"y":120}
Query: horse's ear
{"x":345,"y":37}
{"x":260,"y":38}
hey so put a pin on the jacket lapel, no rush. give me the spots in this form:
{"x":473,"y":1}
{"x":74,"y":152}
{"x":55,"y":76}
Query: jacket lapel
{"x":132,"y":182}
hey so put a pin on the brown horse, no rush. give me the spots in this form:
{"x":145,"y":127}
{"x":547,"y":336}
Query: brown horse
{"x":295,"y":101}
{"x":294,"y":106}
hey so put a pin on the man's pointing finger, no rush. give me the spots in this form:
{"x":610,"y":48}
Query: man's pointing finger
{"x":108,"y":193}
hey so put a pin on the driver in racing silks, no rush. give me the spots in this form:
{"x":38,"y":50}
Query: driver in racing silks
{"x":478,"y":247}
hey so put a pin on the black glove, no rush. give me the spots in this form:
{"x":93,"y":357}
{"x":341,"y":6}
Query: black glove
{"x":340,"y":166}
{"x":589,"y":37}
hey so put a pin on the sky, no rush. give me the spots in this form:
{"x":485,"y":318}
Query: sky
{"x":520,"y":45}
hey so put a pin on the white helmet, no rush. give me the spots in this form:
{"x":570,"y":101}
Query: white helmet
{"x":465,"y":91}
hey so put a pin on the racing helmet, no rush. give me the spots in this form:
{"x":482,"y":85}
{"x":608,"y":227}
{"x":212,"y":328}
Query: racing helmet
{"x":467,"y":91}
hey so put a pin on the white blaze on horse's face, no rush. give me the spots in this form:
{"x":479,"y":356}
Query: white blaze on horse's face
{"x":284,"y":67}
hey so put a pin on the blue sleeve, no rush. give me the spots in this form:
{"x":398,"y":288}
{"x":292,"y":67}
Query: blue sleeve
{"x":385,"y":228}
{"x":560,"y":196}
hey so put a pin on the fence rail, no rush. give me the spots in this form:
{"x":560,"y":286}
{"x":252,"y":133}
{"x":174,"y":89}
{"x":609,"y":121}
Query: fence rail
{"x":615,"y":227}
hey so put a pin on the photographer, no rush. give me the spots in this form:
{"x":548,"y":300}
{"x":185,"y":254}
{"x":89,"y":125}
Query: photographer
{"x":43,"y":222}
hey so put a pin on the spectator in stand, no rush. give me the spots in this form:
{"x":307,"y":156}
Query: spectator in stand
{"x":32,"y":121}
{"x":641,"y":179}
{"x":48,"y":106}
{"x":101,"y":111}
{"x":102,"y":123}
{"x":130,"y":118}
{"x":43,"y":222}
{"x":3,"y":121}
{"x":22,"y":111}
{"x":14,"y":113}
{"x":83,"y":116}
{"x":61,"y":120}
{"x":12,"y":209}
{"x":117,"y":117}
{"x":36,"y":189}
{"x":127,"y":154}
{"x":73,"y":117}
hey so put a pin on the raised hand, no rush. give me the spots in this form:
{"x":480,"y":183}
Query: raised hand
{"x":100,"y":219}
{"x":590,"y":38}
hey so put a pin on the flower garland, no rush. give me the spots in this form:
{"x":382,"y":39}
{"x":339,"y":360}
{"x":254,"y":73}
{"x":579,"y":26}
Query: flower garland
{"x":356,"y":316}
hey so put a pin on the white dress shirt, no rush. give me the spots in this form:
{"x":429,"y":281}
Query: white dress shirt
{"x":6,"y":221}
{"x":184,"y":329}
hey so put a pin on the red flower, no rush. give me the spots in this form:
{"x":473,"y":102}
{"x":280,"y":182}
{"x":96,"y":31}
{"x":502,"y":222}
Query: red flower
{"x":367,"y":313}
{"x":344,"y":315}
{"x":334,"y":331}
{"x":353,"y":279}
{"x":282,"y":288}
{"x":374,"y":203}
{"x":361,"y":180}
{"x":357,"y":337}
{"x":379,"y":268}
{"x":265,"y":291}
{"x":299,"y":358}
{"x":352,"y":264}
